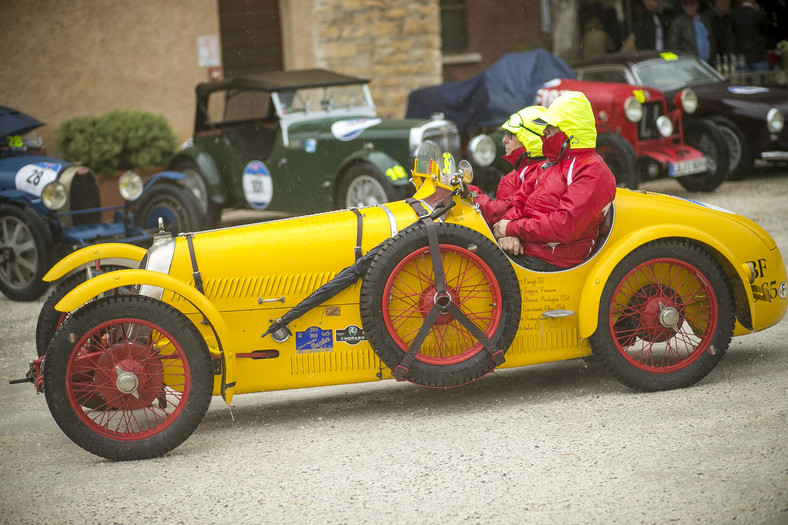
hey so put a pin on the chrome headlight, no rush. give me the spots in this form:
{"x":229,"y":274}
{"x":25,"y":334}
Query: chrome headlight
{"x":54,"y":195}
{"x":482,"y":149}
{"x":130,"y":186}
{"x":664,"y":126}
{"x":633,"y":109}
{"x":689,"y":101}
{"x":158,"y":259}
{"x":775,"y":120}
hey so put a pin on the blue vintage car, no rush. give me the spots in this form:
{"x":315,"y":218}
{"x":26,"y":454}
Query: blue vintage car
{"x":49,"y":207}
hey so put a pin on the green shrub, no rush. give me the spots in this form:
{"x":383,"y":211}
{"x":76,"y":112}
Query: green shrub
{"x":116,"y":141}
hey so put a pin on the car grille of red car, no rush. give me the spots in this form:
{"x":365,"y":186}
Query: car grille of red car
{"x":647,"y":127}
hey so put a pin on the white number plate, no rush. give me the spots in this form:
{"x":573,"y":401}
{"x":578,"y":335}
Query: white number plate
{"x":688,"y":167}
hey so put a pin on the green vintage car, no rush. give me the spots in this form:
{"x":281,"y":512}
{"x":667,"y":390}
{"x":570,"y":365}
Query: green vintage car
{"x":300,"y":142}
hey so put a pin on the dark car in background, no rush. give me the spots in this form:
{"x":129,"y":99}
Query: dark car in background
{"x":751,"y":118}
{"x":50,"y":207}
{"x":639,"y":136}
{"x":300,"y":142}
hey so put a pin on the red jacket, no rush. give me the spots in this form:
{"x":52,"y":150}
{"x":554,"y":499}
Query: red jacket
{"x":493,"y":210}
{"x":556,"y":214}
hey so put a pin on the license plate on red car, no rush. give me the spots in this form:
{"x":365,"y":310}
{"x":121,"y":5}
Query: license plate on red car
{"x":688,"y":167}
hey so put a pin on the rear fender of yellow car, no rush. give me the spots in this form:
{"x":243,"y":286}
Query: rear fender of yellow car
{"x":734,"y":241}
{"x":101,"y":252}
{"x":216,"y":332}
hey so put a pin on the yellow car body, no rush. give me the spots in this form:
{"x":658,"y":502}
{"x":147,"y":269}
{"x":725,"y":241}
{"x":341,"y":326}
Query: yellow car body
{"x":232,"y":284}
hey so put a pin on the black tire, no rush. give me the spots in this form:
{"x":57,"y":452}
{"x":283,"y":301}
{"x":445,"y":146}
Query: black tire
{"x":398,"y":291}
{"x":49,"y":319}
{"x":363,"y":184}
{"x":176,"y":205}
{"x":703,"y":135}
{"x":195,"y":183}
{"x":620,"y":157}
{"x":136,"y":381}
{"x":666,"y":317}
{"x":27,"y":252}
{"x":741,"y":159}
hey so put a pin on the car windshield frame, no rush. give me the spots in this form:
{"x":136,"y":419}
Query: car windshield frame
{"x":673,"y":74}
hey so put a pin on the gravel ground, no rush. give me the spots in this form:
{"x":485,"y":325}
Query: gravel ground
{"x":555,"y":443}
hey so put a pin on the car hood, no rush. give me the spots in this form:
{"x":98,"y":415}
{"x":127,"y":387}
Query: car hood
{"x":11,"y":165}
{"x":774,"y":96}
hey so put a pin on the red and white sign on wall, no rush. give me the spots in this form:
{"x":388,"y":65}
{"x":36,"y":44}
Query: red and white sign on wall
{"x":208,"y":51}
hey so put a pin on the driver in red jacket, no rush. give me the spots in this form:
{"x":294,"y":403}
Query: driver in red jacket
{"x":553,"y":220}
{"x":524,"y":152}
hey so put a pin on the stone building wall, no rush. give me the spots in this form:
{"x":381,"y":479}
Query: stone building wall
{"x":87,"y":57}
{"x":396,"y":45}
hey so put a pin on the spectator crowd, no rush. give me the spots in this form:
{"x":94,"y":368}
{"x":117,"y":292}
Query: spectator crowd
{"x":731,"y":35}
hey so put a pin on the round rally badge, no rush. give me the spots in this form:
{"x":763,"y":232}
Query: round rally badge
{"x":257,"y":184}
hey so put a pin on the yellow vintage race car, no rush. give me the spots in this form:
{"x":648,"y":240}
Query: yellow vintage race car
{"x":416,"y":290}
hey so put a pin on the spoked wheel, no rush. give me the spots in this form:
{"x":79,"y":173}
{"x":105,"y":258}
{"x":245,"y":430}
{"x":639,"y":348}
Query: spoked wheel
{"x":399,"y":292}
{"x":26,"y":253}
{"x":666,"y":317}
{"x":49,"y":319}
{"x":128,"y":377}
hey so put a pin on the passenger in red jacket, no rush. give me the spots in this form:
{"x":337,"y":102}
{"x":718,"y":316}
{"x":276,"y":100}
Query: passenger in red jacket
{"x":553,"y":220}
{"x":524,"y":152}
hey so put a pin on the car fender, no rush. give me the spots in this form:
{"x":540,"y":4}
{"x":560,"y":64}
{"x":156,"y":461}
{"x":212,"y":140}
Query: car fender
{"x":108,"y":281}
{"x":89,"y":254}
{"x":164,"y":176}
{"x":214,"y":181}
{"x":591,"y":294}
{"x":394,"y":172}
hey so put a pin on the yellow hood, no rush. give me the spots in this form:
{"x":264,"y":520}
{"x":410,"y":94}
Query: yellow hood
{"x":528,"y":133}
{"x":571,"y":113}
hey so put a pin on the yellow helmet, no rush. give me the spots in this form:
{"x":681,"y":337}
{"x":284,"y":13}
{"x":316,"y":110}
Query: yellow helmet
{"x":571,"y":113}
{"x":527,"y":132}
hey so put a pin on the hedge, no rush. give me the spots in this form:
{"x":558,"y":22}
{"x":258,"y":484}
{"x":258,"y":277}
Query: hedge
{"x":117,"y":141}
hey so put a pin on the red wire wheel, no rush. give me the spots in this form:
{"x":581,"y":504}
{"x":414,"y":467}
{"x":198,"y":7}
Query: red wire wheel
{"x":128,"y":377}
{"x":412,"y":292}
{"x":666,"y":317}
{"x":399,"y":290}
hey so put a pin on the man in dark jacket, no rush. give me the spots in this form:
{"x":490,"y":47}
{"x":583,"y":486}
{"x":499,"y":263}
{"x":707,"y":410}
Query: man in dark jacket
{"x":691,"y":32}
{"x":649,"y":27}
{"x":753,"y":33}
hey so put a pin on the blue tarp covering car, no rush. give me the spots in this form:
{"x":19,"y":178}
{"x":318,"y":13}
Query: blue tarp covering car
{"x":490,"y":97}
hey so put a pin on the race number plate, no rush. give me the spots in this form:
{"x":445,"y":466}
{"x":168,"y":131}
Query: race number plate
{"x":33,"y":177}
{"x":688,"y":167}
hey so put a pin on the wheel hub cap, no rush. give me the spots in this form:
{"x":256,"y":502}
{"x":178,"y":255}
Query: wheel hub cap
{"x":431,"y":297}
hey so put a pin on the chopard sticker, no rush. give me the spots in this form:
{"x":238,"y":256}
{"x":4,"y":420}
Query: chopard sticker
{"x":748,"y":90}
{"x":351,"y":335}
{"x":349,"y":129}
{"x":257,"y":184}
{"x":314,"y":339}
{"x":33,"y":177}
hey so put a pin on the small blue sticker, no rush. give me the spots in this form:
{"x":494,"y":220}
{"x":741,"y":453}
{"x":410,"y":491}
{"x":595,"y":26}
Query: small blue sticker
{"x":314,"y":339}
{"x":310,"y":146}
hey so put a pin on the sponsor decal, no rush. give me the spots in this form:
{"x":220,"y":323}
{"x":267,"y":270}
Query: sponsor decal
{"x":669,"y":57}
{"x":351,"y":335}
{"x":258,"y":185}
{"x":314,"y":339}
{"x":310,"y":146}
{"x":640,"y":96}
{"x":748,"y":90}
{"x":345,"y":130}
{"x":33,"y":177}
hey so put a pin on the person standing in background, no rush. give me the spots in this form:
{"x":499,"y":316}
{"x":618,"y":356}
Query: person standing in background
{"x":722,"y":28}
{"x":753,"y":36}
{"x":649,"y":27}
{"x":691,"y":32}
